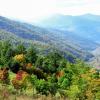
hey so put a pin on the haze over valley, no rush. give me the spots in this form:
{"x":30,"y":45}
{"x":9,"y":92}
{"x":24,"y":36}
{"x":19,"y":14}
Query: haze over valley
{"x":77,"y":35}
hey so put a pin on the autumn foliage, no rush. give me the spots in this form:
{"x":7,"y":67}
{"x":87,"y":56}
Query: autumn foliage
{"x":4,"y":75}
{"x":49,"y":74}
{"x":20,"y":80}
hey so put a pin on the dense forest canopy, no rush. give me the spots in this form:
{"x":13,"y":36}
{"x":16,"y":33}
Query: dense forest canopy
{"x":22,"y":67}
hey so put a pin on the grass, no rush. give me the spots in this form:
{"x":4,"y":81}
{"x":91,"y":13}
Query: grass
{"x":9,"y":93}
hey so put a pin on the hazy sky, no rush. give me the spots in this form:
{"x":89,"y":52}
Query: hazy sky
{"x":30,"y":10}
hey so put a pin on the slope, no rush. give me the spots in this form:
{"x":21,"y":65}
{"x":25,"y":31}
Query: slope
{"x":34,"y":34}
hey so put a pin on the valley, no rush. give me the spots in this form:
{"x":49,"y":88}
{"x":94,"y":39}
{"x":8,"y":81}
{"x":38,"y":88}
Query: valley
{"x":55,"y":60}
{"x":49,"y":49}
{"x":58,"y":36}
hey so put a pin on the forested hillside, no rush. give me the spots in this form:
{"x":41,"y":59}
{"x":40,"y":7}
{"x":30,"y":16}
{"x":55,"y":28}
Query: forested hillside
{"x":49,"y":49}
{"x":44,"y":38}
{"x":24,"y":72}
{"x":46,"y":63}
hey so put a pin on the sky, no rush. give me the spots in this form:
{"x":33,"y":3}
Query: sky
{"x":32,"y":10}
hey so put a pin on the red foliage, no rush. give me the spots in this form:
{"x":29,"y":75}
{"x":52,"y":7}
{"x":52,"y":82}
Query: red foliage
{"x":19,"y":75}
{"x":19,"y":81}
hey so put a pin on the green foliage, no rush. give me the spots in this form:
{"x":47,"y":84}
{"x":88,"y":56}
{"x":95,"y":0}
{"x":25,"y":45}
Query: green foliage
{"x":42,"y":87}
{"x":5,"y":52}
{"x":62,"y":64}
{"x":33,"y":79}
{"x":48,"y":66}
{"x":50,"y":73}
{"x":55,"y":57}
{"x":39,"y":61}
{"x":31,"y":55}
{"x":20,"y":49}
{"x":64,"y":82}
{"x":73,"y":92}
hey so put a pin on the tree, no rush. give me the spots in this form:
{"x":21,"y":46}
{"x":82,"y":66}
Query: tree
{"x":20,"y":49}
{"x":31,"y":55}
{"x":39,"y":61}
{"x":42,"y":87}
{"x":55,"y":57}
{"x":5,"y":52}
{"x":10,"y":53}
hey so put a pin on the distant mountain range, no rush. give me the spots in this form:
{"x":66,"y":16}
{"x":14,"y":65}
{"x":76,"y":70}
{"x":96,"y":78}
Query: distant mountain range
{"x":77,"y":35}
{"x":86,"y":26}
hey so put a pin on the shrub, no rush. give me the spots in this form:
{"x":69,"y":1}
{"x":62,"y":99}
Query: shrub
{"x":42,"y":87}
{"x":20,"y":81}
{"x":14,"y":66}
{"x":4,"y":75}
{"x":73,"y":92}
{"x":19,"y":58}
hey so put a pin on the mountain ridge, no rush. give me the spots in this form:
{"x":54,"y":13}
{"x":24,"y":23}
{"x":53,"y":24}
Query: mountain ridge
{"x":86,"y":26}
{"x":53,"y":38}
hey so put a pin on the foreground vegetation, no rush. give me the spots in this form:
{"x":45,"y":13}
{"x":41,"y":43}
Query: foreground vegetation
{"x":24,"y":72}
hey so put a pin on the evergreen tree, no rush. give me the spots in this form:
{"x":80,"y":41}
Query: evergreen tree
{"x":31,"y":55}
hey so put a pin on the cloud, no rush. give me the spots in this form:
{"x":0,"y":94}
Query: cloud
{"x":78,"y":7}
{"x":29,"y":10}
{"x":26,"y":9}
{"x":76,"y":2}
